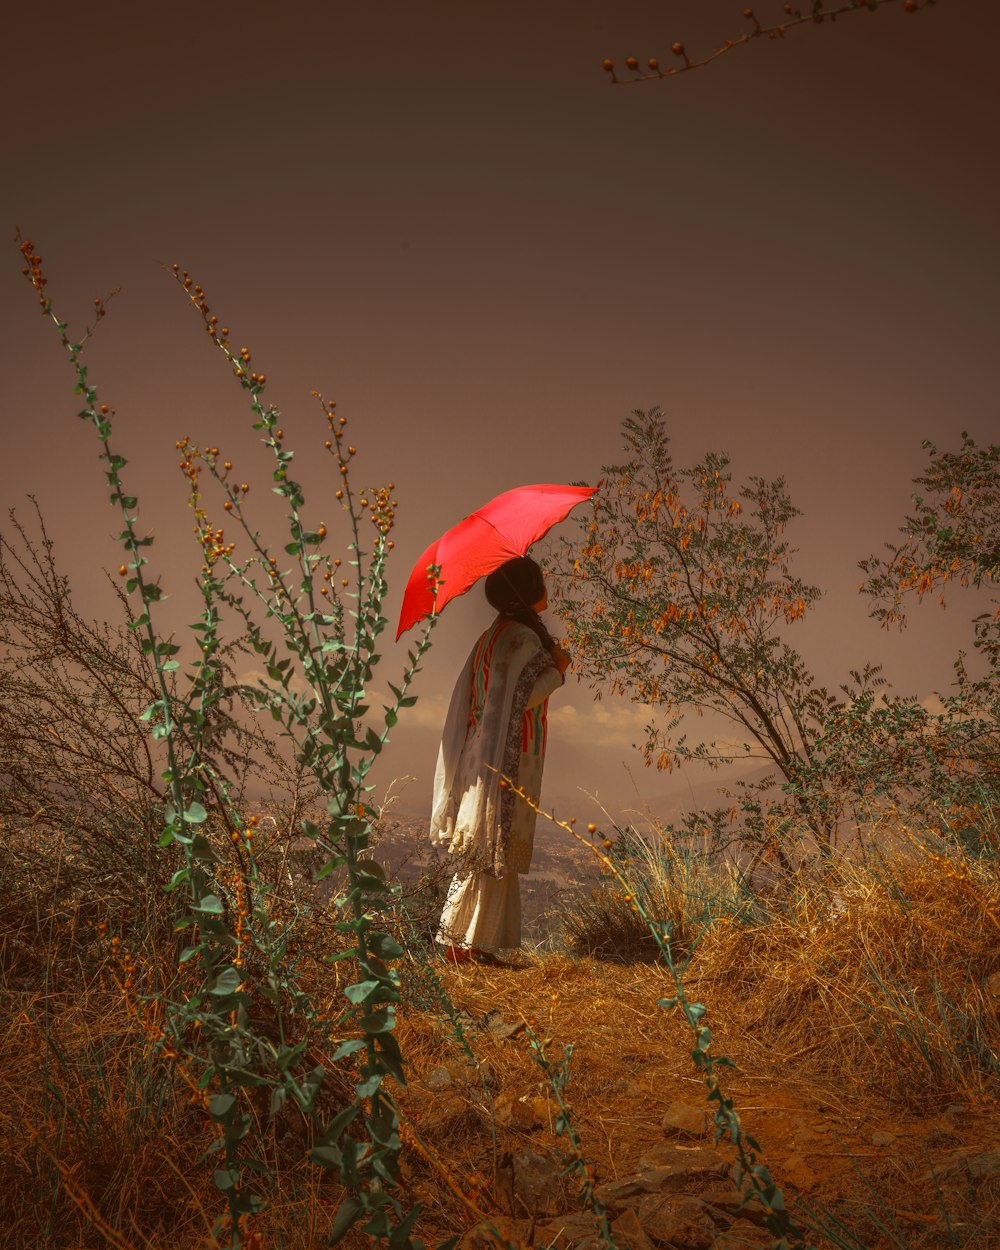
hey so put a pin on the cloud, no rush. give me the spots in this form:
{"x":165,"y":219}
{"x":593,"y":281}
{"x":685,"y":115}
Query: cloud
{"x":428,"y":712}
{"x":609,"y":722}
{"x":257,"y":677}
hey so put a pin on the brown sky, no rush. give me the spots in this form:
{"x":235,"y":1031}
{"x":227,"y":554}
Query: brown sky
{"x":445,"y":218}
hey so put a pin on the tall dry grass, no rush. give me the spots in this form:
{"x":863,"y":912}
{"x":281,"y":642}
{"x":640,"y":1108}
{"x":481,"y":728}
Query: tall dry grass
{"x":884,"y":971}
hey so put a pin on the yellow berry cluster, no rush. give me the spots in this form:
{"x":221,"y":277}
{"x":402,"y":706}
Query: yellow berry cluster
{"x":335,"y":426}
{"x":197,"y":295}
{"x":383,"y":509}
{"x":211,"y":539}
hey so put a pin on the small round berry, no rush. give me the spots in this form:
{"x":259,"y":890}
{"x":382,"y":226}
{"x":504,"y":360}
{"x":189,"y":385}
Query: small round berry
{"x":608,"y":65}
{"x":632,"y":62}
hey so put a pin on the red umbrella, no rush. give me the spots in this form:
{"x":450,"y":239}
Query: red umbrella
{"x":500,"y":530}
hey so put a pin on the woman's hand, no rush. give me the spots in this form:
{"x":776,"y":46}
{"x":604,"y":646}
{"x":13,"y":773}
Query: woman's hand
{"x":561,"y":658}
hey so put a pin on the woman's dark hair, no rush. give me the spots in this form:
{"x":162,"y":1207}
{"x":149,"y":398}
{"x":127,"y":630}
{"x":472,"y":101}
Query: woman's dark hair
{"x":513,"y":588}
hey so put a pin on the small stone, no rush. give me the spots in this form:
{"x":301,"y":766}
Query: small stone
{"x":882,"y":1138}
{"x":569,"y":1233}
{"x":628,"y":1233}
{"x":440,"y":1078}
{"x":520,"y":1113}
{"x":683,"y":1167}
{"x":730,"y":1201}
{"x":796,"y":1171}
{"x":532,"y":1184}
{"x":681,"y":1120}
{"x":495,"y":1024}
{"x":680,"y":1220}
{"x":688,"y":1161}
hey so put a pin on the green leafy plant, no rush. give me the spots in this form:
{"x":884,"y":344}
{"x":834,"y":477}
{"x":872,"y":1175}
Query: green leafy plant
{"x":245,"y":1033}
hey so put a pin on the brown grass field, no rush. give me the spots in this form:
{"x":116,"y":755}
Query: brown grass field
{"x":865,"y":1040}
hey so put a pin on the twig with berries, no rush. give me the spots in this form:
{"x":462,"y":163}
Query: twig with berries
{"x":793,"y":17}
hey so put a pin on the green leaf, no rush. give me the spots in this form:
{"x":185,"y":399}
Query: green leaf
{"x":227,"y":982}
{"x":384,"y":946}
{"x":209,"y":905}
{"x":220,"y":1105}
{"x":348,"y":1214}
{"x":195,"y":814}
{"x":348,"y":1048}
{"x":225,"y":1178}
{"x":360,"y":991}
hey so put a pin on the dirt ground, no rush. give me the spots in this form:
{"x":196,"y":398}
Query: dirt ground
{"x":884,"y":1174}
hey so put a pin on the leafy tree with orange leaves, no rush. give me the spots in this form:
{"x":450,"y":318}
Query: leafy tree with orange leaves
{"x":676,"y":596}
{"x":952,"y":536}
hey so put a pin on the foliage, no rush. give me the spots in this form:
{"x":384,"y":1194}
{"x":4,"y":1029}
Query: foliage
{"x":682,"y":889}
{"x":677,"y":592}
{"x":237,"y":946}
{"x":82,"y":781}
{"x":953,"y":535}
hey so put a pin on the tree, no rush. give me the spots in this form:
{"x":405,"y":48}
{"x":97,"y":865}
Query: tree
{"x":678,"y":595}
{"x":953,"y":536}
{"x":675,"y":597}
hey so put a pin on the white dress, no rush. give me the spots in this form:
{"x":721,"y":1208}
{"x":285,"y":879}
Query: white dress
{"x":496,"y":725}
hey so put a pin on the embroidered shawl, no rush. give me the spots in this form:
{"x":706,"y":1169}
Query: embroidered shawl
{"x":483,"y":732}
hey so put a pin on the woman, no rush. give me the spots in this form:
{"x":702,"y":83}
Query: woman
{"x":496,"y":727}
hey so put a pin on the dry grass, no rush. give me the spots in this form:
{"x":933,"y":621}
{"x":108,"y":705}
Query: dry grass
{"x":875,"y":1014}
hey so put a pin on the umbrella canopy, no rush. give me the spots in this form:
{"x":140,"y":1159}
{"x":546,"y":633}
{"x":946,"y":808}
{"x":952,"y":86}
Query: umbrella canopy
{"x":500,"y":530}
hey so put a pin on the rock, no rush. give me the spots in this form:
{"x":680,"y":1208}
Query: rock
{"x":494,"y":1024}
{"x":882,"y":1138}
{"x":796,"y":1171}
{"x":742,"y":1235}
{"x":531,"y":1184}
{"x":520,"y":1113}
{"x":729,"y":1202}
{"x":681,"y":1120}
{"x":440,"y":1078}
{"x":694,"y":1161}
{"x":682,"y":1167}
{"x":569,"y":1233}
{"x":678,"y":1220}
{"x":991,"y":987}
{"x":628,"y":1233}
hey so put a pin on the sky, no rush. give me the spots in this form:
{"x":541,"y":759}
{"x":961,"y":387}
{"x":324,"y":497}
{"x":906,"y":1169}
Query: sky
{"x":448,"y":220}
